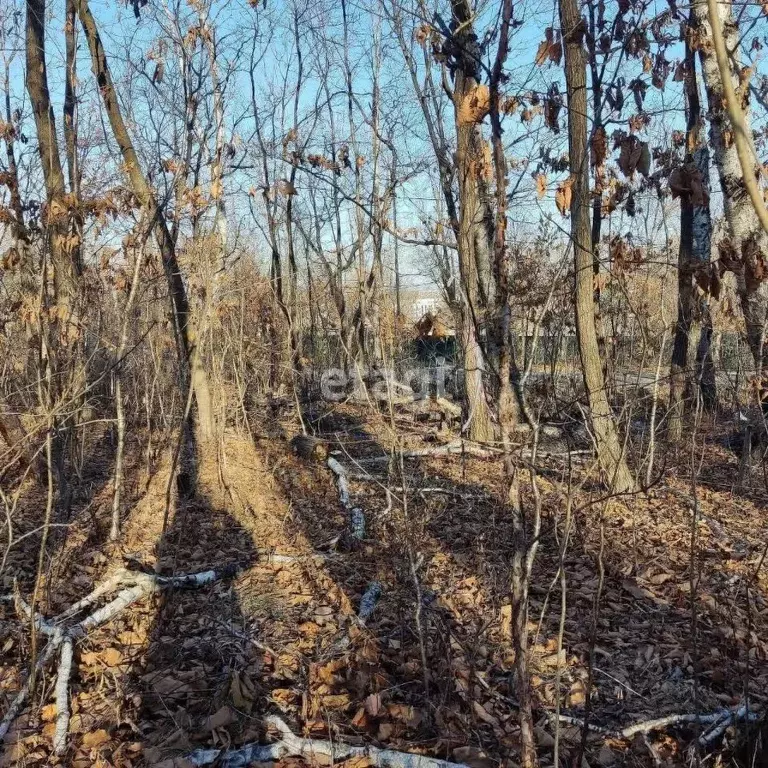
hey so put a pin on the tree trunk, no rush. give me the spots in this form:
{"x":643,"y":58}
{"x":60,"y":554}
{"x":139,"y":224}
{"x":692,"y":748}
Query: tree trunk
{"x":743,"y":251}
{"x":609,"y":450}
{"x":680,"y":371}
{"x":185,"y":328}
{"x":56,"y":215}
{"x":14,"y":435}
{"x":475,"y":225}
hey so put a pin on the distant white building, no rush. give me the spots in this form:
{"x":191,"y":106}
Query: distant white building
{"x":422,"y":306}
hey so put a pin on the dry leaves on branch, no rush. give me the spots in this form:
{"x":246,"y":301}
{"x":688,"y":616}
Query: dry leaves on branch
{"x":550,"y":49}
{"x":635,"y":155}
{"x":599,"y":147}
{"x":563,"y":196}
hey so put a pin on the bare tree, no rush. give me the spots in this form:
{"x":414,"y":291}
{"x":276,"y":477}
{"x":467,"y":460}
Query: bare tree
{"x":186,"y":329}
{"x":609,"y":448}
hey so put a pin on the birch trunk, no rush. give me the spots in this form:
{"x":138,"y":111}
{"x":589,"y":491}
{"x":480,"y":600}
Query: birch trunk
{"x":743,"y":251}
{"x":694,"y":254}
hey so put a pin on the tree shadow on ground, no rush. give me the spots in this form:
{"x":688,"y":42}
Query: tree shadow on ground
{"x":198,"y":669}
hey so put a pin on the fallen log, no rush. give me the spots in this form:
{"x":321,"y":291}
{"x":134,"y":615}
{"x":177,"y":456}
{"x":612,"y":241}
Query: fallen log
{"x":717,"y":723}
{"x":291,"y":745}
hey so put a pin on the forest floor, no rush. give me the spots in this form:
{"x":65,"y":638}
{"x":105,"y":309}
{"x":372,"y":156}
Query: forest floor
{"x":201,"y":667}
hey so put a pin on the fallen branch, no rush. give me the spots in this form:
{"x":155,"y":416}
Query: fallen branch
{"x":357,"y":523}
{"x":62,"y":697}
{"x":454,"y":447}
{"x":665,"y":722}
{"x":116,"y":580}
{"x":140,"y":585}
{"x":356,"y":514}
{"x":125,"y":598}
{"x":291,"y":745}
{"x":717,"y":722}
{"x":368,"y":601}
{"x":717,"y":729}
{"x":23,"y":608}
{"x":341,"y":480}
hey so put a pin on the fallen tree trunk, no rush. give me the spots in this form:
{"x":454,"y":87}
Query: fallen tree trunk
{"x":291,"y":745}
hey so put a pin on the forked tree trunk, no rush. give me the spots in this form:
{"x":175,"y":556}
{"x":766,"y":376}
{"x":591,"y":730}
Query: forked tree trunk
{"x":56,"y":215}
{"x":609,"y":449}
{"x":744,"y":250}
{"x":59,"y":351}
{"x":185,"y":328}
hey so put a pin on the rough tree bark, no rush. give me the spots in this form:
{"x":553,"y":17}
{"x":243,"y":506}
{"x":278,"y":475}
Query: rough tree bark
{"x":743,"y":251}
{"x":465,"y":48}
{"x":56,"y":214}
{"x":609,"y":449}
{"x":475,"y":223}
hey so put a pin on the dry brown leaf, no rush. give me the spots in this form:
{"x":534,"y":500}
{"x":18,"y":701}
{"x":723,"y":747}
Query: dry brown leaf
{"x":563,"y":196}
{"x":635,"y":590}
{"x":599,"y":147}
{"x":647,"y":63}
{"x":541,"y":185}
{"x":95,"y":739}
{"x":484,"y":715}
{"x":241,"y":692}
{"x":284,"y":187}
{"x":360,"y":720}
{"x":112,"y":657}
{"x":336,"y":701}
{"x":372,"y":704}
{"x":550,"y":49}
{"x":362,"y":761}
{"x":472,"y":756}
{"x":577,"y":696}
{"x":48,"y":713}
{"x":407,"y":714}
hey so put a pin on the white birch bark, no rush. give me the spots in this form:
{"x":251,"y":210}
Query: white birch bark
{"x":742,"y":251}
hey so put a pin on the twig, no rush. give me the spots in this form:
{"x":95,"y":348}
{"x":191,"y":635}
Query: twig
{"x":21,"y":696}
